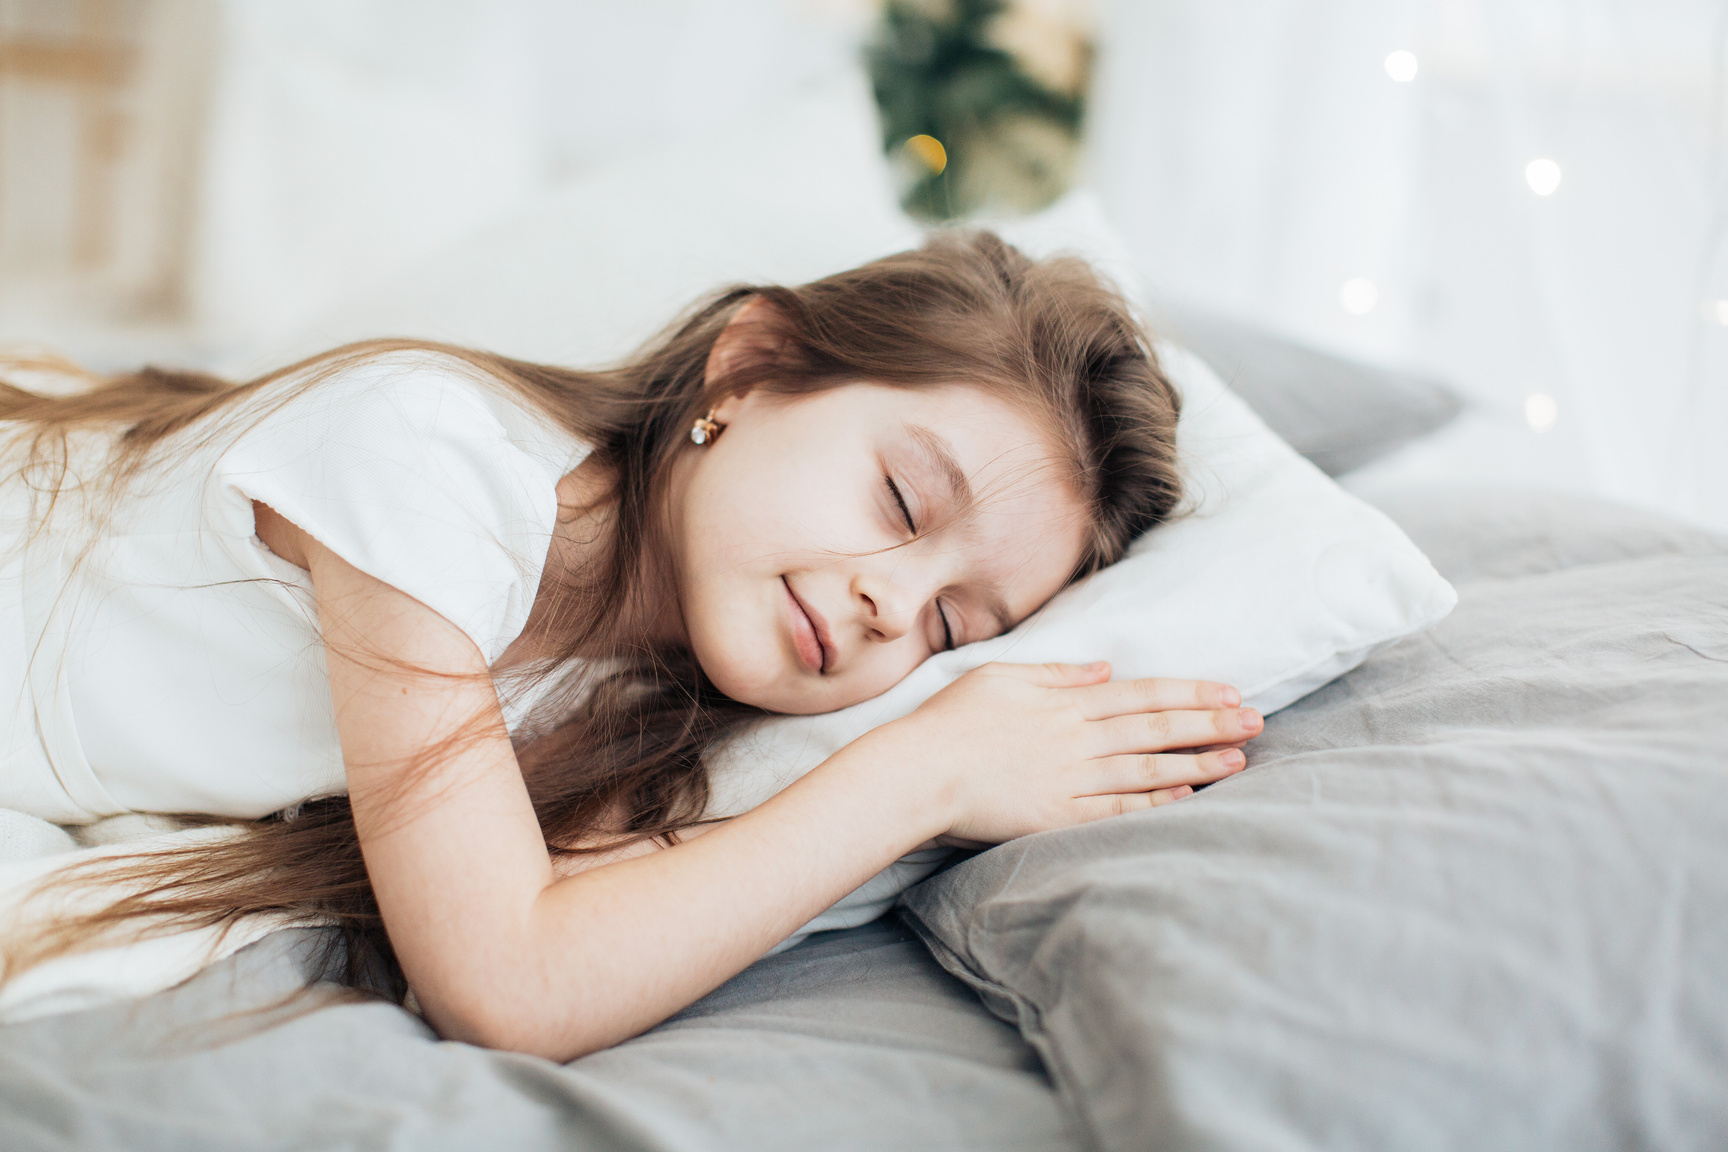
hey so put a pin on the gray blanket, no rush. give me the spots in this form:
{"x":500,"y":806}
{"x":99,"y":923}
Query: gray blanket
{"x":1472,"y":895}
{"x":853,"y":1040}
{"x":1469,"y":896}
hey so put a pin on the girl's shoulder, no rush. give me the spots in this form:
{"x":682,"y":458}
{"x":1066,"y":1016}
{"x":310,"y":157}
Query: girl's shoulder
{"x":417,"y":468}
{"x":407,"y":396}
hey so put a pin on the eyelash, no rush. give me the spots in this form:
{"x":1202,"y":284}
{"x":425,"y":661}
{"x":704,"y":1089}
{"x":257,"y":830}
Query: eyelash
{"x":941,"y":613}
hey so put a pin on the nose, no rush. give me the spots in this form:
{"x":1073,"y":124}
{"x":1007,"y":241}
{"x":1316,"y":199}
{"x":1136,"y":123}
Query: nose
{"x":888,"y":605}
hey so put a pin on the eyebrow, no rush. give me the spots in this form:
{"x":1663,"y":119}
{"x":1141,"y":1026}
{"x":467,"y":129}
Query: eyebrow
{"x":939,"y":454}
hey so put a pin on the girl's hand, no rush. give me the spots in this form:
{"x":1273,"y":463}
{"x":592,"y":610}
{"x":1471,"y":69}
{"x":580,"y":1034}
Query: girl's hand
{"x":1021,"y":748}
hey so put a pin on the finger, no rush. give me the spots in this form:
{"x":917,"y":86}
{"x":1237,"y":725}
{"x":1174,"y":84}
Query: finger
{"x":1058,"y":675}
{"x":1154,"y":694}
{"x":1089,"y":808}
{"x":1217,"y":747}
{"x":1178,"y":728}
{"x":1155,"y":771}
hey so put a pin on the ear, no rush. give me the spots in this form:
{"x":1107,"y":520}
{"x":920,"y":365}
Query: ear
{"x":748,"y":339}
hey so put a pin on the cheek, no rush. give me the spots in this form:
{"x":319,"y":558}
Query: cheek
{"x":739,"y":664}
{"x":884,"y":666}
{"x":751,"y":508}
{"x":890,"y":664}
{"x":749,"y":520}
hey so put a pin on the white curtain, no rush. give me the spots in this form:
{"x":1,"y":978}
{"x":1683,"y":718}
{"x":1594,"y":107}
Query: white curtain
{"x":1525,"y":197}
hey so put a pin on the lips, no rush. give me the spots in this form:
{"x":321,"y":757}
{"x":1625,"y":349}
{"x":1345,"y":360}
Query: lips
{"x":809,"y":632}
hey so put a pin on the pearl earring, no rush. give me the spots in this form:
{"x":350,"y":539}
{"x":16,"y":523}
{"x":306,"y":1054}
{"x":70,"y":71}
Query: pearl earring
{"x":705,"y":428}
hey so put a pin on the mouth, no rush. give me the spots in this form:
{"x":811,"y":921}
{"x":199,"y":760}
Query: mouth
{"x":810,"y":634}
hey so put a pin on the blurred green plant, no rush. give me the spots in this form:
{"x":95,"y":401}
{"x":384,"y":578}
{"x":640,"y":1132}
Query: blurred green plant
{"x":982,"y":102}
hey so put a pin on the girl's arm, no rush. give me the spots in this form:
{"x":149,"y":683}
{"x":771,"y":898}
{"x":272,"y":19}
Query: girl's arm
{"x":500,"y":952}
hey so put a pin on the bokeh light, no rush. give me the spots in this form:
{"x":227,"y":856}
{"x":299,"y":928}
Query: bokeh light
{"x":1359,"y":295}
{"x":1543,"y":176}
{"x":1540,"y":411}
{"x":1401,"y":66}
{"x":928,"y":151}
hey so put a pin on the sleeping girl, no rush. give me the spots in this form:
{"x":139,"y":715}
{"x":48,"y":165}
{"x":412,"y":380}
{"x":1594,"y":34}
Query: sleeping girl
{"x":446,"y":635}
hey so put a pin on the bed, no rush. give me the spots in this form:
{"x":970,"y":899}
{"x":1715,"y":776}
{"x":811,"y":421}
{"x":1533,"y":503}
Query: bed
{"x":1468,"y":895}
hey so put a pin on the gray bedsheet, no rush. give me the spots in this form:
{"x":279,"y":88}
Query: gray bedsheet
{"x":1473,"y":895}
{"x":1470,"y":896}
{"x":853,"y":1040}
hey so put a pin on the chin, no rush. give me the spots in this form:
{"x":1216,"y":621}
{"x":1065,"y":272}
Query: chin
{"x":773,"y":696}
{"x":766,"y":688}
{"x":747,"y":681}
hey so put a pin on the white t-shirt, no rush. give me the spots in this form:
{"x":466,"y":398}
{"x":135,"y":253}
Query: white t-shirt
{"x":180,"y":669}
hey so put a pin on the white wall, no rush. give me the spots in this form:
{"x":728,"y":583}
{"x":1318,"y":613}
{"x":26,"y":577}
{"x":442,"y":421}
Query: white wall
{"x":346,"y":137}
{"x":1259,"y":156}
{"x":351,"y":136}
{"x":313,"y":147}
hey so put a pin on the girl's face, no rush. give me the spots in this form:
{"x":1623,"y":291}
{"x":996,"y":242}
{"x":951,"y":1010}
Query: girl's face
{"x":801,"y":585}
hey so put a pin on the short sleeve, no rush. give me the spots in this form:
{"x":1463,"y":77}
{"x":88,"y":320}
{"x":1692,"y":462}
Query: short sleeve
{"x":420,"y":475}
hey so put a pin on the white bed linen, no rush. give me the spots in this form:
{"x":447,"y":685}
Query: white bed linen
{"x":130,"y":967}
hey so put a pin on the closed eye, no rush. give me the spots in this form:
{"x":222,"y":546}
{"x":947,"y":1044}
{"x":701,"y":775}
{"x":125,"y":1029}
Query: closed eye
{"x":941,"y":613}
{"x":894,"y":490}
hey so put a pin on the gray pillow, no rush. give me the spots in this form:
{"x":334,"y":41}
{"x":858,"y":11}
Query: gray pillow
{"x":1468,"y":896}
{"x":1341,"y":414}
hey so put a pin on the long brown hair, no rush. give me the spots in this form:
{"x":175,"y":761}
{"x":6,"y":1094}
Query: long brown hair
{"x":965,"y":308}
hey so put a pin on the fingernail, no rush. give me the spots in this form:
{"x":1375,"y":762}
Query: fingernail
{"x":1092,"y":667}
{"x":1249,"y":718}
{"x":1232,"y":758}
{"x":1228,"y":697}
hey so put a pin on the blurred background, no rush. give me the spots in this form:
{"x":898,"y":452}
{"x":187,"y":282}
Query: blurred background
{"x":1527,"y":199}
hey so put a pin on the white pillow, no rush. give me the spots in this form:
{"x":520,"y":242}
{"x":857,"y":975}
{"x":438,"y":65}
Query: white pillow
{"x":1275,"y":580}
